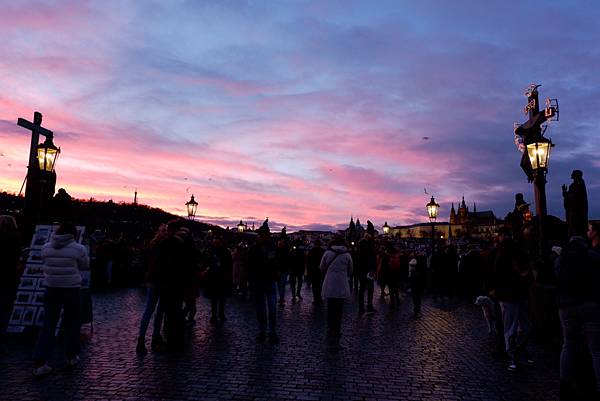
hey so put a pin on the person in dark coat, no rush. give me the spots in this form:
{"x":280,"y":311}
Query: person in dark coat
{"x":174,"y":270}
{"x":578,"y":301}
{"x":262,"y":276}
{"x":10,"y":250}
{"x":282,"y":261}
{"x":367,"y":266}
{"x":512,"y":278}
{"x":297,"y":267}
{"x":219,"y":279}
{"x":313,"y":261}
{"x":153,"y":290}
{"x":417,"y":277}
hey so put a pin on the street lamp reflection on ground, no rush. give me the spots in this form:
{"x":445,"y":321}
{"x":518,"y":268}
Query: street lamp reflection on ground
{"x":191,"y":205}
{"x":432,"y":212}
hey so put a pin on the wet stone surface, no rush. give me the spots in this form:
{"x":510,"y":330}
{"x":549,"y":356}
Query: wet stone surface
{"x":445,"y":355}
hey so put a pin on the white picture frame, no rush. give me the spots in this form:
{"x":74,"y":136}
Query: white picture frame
{"x":28,"y":283}
{"x":23,"y":298}
{"x":29,"y":315}
{"x":41,"y":236}
{"x":39,"y":318}
{"x":38,"y":298}
{"x":16,"y":316}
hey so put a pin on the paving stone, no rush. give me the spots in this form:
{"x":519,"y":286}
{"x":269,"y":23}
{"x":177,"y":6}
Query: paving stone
{"x":445,"y":355}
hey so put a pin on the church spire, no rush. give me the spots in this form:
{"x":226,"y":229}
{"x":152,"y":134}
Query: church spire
{"x":474,"y":208}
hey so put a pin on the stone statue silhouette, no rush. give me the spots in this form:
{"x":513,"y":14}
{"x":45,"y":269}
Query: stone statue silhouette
{"x":576,"y":205}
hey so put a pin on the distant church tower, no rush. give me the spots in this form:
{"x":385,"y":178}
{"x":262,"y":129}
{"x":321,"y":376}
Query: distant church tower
{"x":463,"y":212}
{"x":453,"y":215}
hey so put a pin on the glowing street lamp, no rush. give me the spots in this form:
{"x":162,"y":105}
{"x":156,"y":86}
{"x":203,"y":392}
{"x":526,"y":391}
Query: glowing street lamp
{"x":386,"y":229}
{"x":432,"y":212}
{"x":47,"y":153}
{"x":191,"y":205}
{"x":539,"y":154}
{"x":241,"y":227}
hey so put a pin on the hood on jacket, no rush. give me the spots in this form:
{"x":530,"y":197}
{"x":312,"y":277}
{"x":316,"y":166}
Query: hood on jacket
{"x":339,"y":249}
{"x":60,"y":241}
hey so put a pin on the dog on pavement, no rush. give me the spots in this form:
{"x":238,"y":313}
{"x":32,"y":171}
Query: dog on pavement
{"x":487,"y":306}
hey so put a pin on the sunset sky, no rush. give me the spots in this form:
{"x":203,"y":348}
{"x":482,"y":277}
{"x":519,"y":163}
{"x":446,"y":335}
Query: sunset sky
{"x":305,"y":112}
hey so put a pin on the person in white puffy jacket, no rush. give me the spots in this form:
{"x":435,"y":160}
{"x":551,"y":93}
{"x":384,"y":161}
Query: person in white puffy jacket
{"x":336,"y":264}
{"x":63,"y":259}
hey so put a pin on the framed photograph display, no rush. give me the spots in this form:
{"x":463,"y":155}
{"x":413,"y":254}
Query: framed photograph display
{"x":35,"y":256}
{"x":24,"y":298}
{"x":34,"y":270}
{"x":29,"y":315}
{"x":41,"y":236}
{"x":16,"y":315}
{"x":28,"y":283}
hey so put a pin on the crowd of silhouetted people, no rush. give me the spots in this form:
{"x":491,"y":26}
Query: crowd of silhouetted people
{"x":272,"y":269}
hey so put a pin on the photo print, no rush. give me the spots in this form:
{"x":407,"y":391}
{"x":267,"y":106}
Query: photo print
{"x":17,"y":315}
{"x":23,"y":298}
{"x":29,"y":315}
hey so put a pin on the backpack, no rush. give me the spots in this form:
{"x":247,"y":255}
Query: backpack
{"x":579,"y":271}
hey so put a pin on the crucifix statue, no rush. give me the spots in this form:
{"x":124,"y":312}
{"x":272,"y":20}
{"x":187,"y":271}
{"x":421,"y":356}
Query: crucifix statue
{"x":531,"y":130}
{"x":41,"y":178}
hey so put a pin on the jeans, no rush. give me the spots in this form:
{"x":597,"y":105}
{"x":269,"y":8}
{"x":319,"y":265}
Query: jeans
{"x":578,"y":319}
{"x":55,"y":300}
{"x":217,"y":307}
{"x":335,"y":307}
{"x":152,"y":300}
{"x":317,"y":286}
{"x":365,"y":285}
{"x":265,"y":299}
{"x":281,"y":282}
{"x":516,"y":329}
{"x":296,"y":284}
{"x":416,"y":294}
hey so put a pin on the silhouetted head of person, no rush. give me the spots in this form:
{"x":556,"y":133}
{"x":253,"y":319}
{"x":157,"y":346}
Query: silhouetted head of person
{"x":337,"y":241}
{"x":577,"y":175}
{"x":67,"y":228}
{"x":174,"y":225}
{"x":593,"y":233}
{"x":8,"y":225}
{"x":503,"y":235}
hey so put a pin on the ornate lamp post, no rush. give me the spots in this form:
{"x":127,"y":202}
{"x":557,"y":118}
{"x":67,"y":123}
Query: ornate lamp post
{"x":432,"y":212}
{"x":191,"y":205}
{"x":386,"y":229}
{"x":530,"y":139}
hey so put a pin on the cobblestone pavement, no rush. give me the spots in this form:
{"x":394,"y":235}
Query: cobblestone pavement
{"x":445,"y":355}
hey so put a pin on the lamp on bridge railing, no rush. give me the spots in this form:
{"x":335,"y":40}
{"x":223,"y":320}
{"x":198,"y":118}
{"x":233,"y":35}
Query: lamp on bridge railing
{"x":191,"y":205}
{"x":386,"y":229}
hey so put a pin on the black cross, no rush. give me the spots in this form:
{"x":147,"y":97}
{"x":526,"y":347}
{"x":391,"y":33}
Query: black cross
{"x":36,"y":130}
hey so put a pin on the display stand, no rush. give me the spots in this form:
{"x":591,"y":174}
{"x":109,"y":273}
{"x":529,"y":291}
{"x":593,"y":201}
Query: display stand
{"x":28,"y":309}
